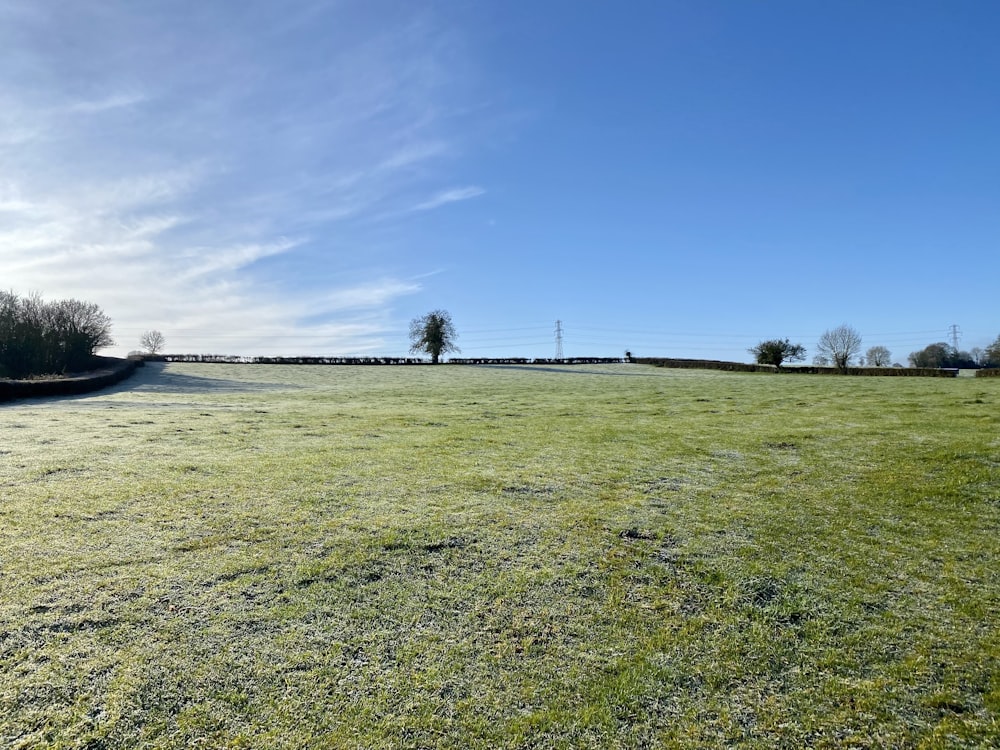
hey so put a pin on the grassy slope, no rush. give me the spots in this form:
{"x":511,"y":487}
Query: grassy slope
{"x":518,"y":557}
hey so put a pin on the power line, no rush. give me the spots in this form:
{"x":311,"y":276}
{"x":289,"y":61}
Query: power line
{"x":505,"y":330}
{"x":510,"y":339}
{"x":540,"y":342}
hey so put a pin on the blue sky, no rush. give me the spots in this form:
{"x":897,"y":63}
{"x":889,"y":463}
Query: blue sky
{"x":677,"y":178}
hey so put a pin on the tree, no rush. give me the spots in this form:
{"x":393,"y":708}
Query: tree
{"x":40,"y":338}
{"x":933,"y":355}
{"x":23,"y":331}
{"x":839,"y":345}
{"x":81,"y":328}
{"x":776,"y":351}
{"x":433,"y":333}
{"x":941,"y":354}
{"x":991,"y":354}
{"x":878,"y":356}
{"x":963,"y":360}
{"x":152,"y":341}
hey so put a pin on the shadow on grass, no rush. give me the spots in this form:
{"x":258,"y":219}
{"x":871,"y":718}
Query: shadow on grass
{"x":574,"y":369}
{"x":155,"y":378}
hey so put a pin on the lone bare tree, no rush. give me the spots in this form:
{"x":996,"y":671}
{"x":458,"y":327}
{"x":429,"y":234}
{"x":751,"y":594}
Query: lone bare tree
{"x":433,"y":333}
{"x":878,"y":356}
{"x":839,"y":345}
{"x":152,"y":341}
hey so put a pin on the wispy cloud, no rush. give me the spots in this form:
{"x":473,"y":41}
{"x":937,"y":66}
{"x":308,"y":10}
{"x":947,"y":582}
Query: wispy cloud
{"x":449,"y":196}
{"x":202,"y":172}
{"x":207,"y":262}
{"x":368,"y":295}
{"x":94,"y":106}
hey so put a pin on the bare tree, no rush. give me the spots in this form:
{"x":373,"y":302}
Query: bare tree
{"x":152,"y":341}
{"x":839,"y":345}
{"x":878,"y":356}
{"x":433,"y":333}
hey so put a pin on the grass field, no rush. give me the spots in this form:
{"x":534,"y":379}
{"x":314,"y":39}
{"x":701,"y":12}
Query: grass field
{"x":569,"y":557}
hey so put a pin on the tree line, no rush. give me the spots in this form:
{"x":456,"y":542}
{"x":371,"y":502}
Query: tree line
{"x":48,"y":338}
{"x":41,"y":338}
{"x":942,"y":354}
{"x":840,"y":347}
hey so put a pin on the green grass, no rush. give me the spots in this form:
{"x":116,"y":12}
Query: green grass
{"x":568,"y":557}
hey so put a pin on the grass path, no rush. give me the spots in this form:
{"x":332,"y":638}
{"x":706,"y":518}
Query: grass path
{"x":614,"y":556}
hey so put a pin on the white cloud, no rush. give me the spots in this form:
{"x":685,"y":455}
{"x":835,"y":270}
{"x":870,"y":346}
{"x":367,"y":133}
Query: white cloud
{"x":196,"y":171}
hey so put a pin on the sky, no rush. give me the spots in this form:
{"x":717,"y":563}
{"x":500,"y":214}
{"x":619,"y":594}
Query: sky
{"x":677,"y":178}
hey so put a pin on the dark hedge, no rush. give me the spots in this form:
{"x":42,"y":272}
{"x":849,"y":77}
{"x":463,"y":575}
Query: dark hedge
{"x":709,"y":364}
{"x":703,"y":364}
{"x":106,"y":371}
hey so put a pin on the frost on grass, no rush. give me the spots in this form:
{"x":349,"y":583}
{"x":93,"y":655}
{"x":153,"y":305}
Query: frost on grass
{"x":291,"y":557}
